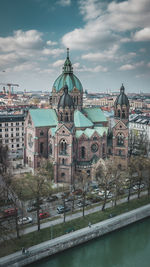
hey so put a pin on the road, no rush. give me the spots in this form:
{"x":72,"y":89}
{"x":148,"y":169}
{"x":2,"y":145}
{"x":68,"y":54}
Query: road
{"x":70,"y":217}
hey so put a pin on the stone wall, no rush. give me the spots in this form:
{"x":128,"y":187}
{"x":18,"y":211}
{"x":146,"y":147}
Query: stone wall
{"x":56,"y":245}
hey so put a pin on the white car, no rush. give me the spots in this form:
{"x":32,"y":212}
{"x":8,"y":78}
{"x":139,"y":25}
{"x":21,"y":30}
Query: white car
{"x":102,"y":193}
{"x":25,"y":220}
{"x":136,"y":187}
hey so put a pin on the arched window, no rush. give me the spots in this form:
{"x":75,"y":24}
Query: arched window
{"x":63,"y":147}
{"x":103,"y":150}
{"x":119,"y":113}
{"x":50,"y":149}
{"x":41,"y":148}
{"x":61,"y":116}
{"x":66,"y":117}
{"x":63,"y":161}
{"x":62,"y":175}
{"x":123,"y":114}
{"x":41,"y":133}
{"x":120,"y":139}
{"x":82,"y":152}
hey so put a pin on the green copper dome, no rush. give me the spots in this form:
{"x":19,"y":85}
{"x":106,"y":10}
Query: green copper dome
{"x":67,"y":77}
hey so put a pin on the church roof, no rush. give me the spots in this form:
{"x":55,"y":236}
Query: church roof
{"x":80,"y":120}
{"x":95,"y":114}
{"x":43,"y":117}
{"x":89,"y":132}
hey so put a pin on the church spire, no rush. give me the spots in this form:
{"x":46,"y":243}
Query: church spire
{"x":67,"y":53}
{"x":67,"y":68}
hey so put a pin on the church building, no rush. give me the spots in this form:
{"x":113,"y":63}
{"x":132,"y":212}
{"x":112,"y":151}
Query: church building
{"x":73,"y":137}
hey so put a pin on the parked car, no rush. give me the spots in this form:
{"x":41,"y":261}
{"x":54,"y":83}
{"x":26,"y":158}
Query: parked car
{"x":80,"y":204}
{"x":52,"y":198}
{"x":34,"y":203}
{"x":102,"y":193}
{"x":32,"y":208}
{"x":96,"y":199}
{"x":24,"y":220}
{"x":10,"y":212}
{"x":136,"y":186}
{"x":61,"y":209}
{"x":43,"y":215}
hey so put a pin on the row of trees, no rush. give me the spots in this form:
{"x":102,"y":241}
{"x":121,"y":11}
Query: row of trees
{"x":112,"y":179}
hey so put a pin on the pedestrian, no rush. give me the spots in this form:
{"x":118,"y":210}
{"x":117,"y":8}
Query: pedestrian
{"x":23,"y":250}
{"x":89,"y":224}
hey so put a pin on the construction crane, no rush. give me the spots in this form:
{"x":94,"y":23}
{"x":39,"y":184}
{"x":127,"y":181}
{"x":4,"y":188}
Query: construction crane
{"x":9,"y":90}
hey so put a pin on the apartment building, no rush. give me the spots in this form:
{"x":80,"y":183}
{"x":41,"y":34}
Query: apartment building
{"x":12,"y":132}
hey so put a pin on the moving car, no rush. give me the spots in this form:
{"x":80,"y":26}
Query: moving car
{"x":44,"y":215}
{"x":24,"y":220}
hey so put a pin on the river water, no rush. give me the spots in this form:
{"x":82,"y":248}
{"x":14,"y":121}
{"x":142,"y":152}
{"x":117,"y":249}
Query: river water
{"x":127,"y":247}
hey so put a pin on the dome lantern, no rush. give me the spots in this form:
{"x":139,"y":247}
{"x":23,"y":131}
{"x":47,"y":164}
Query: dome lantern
{"x":67,"y":77}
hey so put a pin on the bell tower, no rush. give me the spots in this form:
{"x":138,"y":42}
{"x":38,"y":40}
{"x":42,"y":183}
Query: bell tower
{"x":120,"y":130}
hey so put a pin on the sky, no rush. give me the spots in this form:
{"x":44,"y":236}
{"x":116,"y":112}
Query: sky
{"x":109,"y":43}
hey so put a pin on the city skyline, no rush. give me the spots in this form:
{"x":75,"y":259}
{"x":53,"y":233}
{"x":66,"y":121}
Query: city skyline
{"x":108,"y":42}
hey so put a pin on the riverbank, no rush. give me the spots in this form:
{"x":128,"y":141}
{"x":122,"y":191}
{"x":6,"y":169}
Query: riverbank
{"x":61,"y":243}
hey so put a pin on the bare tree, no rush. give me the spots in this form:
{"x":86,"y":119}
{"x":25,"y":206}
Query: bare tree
{"x":137,"y":167}
{"x":103,"y":174}
{"x":39,"y":184}
{"x":3,"y":159}
{"x":15,"y":202}
{"x":138,"y":143}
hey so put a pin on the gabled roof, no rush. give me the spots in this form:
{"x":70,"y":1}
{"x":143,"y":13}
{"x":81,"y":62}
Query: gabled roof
{"x":89,"y":132}
{"x":95,"y":114}
{"x":43,"y":117}
{"x":80,"y":120}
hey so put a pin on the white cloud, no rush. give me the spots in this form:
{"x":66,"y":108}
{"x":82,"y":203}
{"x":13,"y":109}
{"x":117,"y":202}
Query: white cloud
{"x":132,"y":66}
{"x":64,"y":2}
{"x":105,"y":23}
{"x":10,"y":58}
{"x":142,"y":35}
{"x":58,"y":63}
{"x":125,"y":40}
{"x":98,"y":68}
{"x":76,"y":65}
{"x":21,"y":40}
{"x":105,"y":55}
{"x":52,"y":52}
{"x":127,"y":67}
{"x":90,"y":9}
{"x":50,"y":43}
